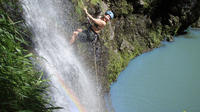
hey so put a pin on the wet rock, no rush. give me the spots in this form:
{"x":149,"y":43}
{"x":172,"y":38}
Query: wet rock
{"x":169,"y":38}
{"x":196,"y":24}
{"x":126,"y":45}
{"x":138,"y":26}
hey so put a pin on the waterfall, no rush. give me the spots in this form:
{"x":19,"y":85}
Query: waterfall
{"x":51,"y":24}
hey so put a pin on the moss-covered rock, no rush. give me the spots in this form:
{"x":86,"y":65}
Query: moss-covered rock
{"x":196,"y":24}
{"x":138,"y":26}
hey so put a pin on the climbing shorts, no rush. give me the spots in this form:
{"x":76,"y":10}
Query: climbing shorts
{"x":87,"y":35}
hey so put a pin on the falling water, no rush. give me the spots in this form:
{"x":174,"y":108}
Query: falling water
{"x":51,"y":23}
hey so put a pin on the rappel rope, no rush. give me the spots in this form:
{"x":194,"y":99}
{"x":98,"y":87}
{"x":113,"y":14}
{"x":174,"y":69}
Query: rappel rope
{"x":95,"y":60}
{"x":95,"y":65}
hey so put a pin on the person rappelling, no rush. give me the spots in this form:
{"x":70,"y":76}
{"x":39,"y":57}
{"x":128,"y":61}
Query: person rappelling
{"x":96,"y":25}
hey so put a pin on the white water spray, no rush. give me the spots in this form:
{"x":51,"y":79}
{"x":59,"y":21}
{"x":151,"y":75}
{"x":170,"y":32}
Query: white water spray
{"x":51,"y":25}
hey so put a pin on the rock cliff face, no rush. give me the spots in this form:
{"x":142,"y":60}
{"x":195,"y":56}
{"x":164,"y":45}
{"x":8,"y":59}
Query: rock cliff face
{"x":138,"y":27}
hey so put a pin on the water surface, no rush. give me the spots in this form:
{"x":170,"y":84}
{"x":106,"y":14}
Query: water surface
{"x":164,"y":80}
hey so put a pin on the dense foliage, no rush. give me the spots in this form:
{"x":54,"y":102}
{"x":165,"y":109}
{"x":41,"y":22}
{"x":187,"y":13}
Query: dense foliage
{"x":21,"y":87}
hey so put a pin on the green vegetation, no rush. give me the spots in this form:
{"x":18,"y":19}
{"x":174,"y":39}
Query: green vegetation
{"x":115,"y":66}
{"x":155,"y":38}
{"x":119,"y":60}
{"x":89,"y":4}
{"x":22,"y":88}
{"x":94,"y":2}
{"x":123,"y":8}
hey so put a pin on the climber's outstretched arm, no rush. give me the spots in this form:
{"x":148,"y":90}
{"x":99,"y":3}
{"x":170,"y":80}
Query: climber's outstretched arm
{"x":96,"y":21}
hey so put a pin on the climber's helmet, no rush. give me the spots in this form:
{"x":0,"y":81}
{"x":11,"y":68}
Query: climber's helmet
{"x":110,"y":13}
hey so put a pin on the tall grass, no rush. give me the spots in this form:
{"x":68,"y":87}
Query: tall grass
{"x":21,"y":86}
